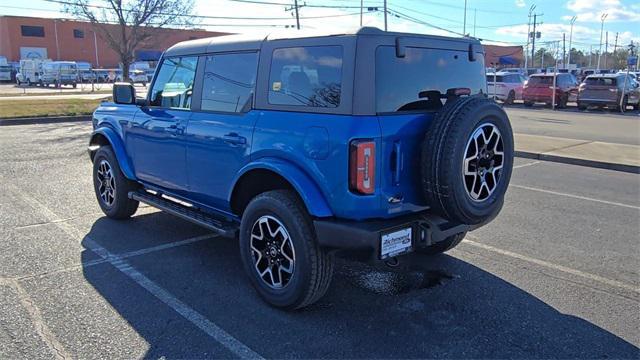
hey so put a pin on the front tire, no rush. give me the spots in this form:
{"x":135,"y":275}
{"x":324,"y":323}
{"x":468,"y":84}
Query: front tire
{"x":111,"y":186}
{"x":280,"y":252}
{"x":510,"y":98}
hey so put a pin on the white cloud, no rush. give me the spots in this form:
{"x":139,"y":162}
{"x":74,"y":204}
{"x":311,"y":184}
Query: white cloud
{"x":520,"y":3}
{"x":592,"y":10}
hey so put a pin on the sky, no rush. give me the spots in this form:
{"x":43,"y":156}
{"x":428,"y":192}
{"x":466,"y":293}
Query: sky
{"x":495,"y":21}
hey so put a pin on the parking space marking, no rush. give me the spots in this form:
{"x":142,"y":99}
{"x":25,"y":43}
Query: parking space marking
{"x":527,"y":164}
{"x":38,"y":323}
{"x":124,"y":255}
{"x":565,"y":269}
{"x":575,"y":196}
{"x":200,"y":321}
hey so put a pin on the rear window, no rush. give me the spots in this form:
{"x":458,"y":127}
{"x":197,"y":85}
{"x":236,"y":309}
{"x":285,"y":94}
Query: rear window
{"x":420,"y":80}
{"x":490,"y":78}
{"x":601,"y":81}
{"x":546,"y":80}
{"x":306,"y":76}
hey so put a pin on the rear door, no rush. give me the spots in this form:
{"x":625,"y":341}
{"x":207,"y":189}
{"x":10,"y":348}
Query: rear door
{"x":156,"y":137}
{"x":220,"y":131}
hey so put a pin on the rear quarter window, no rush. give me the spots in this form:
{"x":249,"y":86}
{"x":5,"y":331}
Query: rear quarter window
{"x":306,"y":76}
{"x":418,"y":81}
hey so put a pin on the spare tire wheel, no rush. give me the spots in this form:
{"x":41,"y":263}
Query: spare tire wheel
{"x":467,"y":158}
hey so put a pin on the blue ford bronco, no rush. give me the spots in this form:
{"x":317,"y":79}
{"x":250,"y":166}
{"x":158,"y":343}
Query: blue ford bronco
{"x":371,"y":142}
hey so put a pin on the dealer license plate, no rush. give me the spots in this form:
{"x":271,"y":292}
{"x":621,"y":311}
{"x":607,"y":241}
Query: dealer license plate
{"x":395,"y":243}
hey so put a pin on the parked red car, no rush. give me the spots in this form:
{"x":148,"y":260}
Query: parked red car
{"x":539,"y":88}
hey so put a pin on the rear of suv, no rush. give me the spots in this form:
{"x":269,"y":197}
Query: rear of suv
{"x":374,"y":143}
{"x":540,"y":88}
{"x":505,"y":86}
{"x":615,"y":91}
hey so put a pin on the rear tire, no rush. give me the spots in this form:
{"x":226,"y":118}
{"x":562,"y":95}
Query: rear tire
{"x":444,"y":245}
{"x":625,"y":102}
{"x":582,"y":106}
{"x":467,"y":158}
{"x":280,"y":252}
{"x":528,"y":103}
{"x":111,"y":186}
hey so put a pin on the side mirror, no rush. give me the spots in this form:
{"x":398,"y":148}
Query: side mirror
{"x":124,"y":93}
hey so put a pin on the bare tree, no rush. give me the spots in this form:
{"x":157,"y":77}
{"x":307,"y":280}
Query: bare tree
{"x":127,"y":24}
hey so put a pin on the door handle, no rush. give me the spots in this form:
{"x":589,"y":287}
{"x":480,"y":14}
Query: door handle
{"x":234,"y":139}
{"x":174,"y":129}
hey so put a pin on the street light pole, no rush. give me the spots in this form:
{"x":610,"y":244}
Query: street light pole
{"x":573,"y":20}
{"x":602,"y":18}
{"x":361,"y":10}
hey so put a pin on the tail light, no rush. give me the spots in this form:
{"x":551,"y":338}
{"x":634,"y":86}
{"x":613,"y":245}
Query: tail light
{"x":613,"y":90}
{"x":362,"y":166}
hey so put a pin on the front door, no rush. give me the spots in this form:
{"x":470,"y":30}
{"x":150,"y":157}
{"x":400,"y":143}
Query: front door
{"x":220,"y":130}
{"x":156,"y":137}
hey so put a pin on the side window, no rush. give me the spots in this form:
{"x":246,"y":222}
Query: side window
{"x":173,"y":87}
{"x":306,"y":76}
{"x":229,"y":82}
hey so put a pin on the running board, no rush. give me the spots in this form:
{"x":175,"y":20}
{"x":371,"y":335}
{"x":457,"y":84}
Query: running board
{"x":220,"y":225}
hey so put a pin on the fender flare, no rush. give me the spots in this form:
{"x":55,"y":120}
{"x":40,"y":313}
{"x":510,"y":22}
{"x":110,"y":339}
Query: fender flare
{"x":118,"y":149}
{"x":310,"y":193}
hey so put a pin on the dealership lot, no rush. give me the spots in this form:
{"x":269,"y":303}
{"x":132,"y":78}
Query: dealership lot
{"x":556,"y":275}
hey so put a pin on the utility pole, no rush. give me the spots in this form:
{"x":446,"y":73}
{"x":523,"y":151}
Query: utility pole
{"x":295,"y":4}
{"x":526,"y":57}
{"x":533,"y":41}
{"x":361,"y":10}
{"x":615,"y":47}
{"x":475,"y":12}
{"x":385,"y":15}
{"x":464,"y":26}
{"x":564,"y":53}
{"x":602,"y":18}
{"x":590,"y":54}
{"x":573,"y":20}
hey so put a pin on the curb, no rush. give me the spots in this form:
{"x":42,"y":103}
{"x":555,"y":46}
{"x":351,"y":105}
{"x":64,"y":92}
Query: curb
{"x":44,"y":120}
{"x":581,"y":162}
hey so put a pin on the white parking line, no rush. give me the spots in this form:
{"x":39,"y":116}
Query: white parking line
{"x":527,"y":164}
{"x":575,"y":196}
{"x":39,"y":325}
{"x":568,"y":270}
{"x":125,"y":255}
{"x":225,"y":339}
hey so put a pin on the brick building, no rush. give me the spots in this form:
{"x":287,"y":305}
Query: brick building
{"x":64,"y":39}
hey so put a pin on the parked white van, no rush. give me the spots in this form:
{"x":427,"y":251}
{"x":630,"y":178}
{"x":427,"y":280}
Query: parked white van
{"x":59,"y":73}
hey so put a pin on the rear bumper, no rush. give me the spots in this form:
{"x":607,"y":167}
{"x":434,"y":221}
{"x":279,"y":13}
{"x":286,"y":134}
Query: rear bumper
{"x":365,"y":236}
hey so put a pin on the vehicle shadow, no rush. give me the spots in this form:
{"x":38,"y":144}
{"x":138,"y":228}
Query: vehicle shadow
{"x":444,"y":308}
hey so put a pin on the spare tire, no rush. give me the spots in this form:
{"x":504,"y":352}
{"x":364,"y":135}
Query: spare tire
{"x":467,"y":158}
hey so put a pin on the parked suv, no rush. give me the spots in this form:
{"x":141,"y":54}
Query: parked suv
{"x":539,"y":88}
{"x":373,"y":143}
{"x":505,"y":86}
{"x":608,"y":90}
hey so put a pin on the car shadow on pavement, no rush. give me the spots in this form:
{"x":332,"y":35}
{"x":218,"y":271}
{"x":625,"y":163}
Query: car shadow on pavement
{"x":446,"y":308}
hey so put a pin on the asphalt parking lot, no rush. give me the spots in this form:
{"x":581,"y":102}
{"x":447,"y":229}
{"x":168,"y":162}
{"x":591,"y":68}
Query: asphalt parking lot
{"x":555,"y":276}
